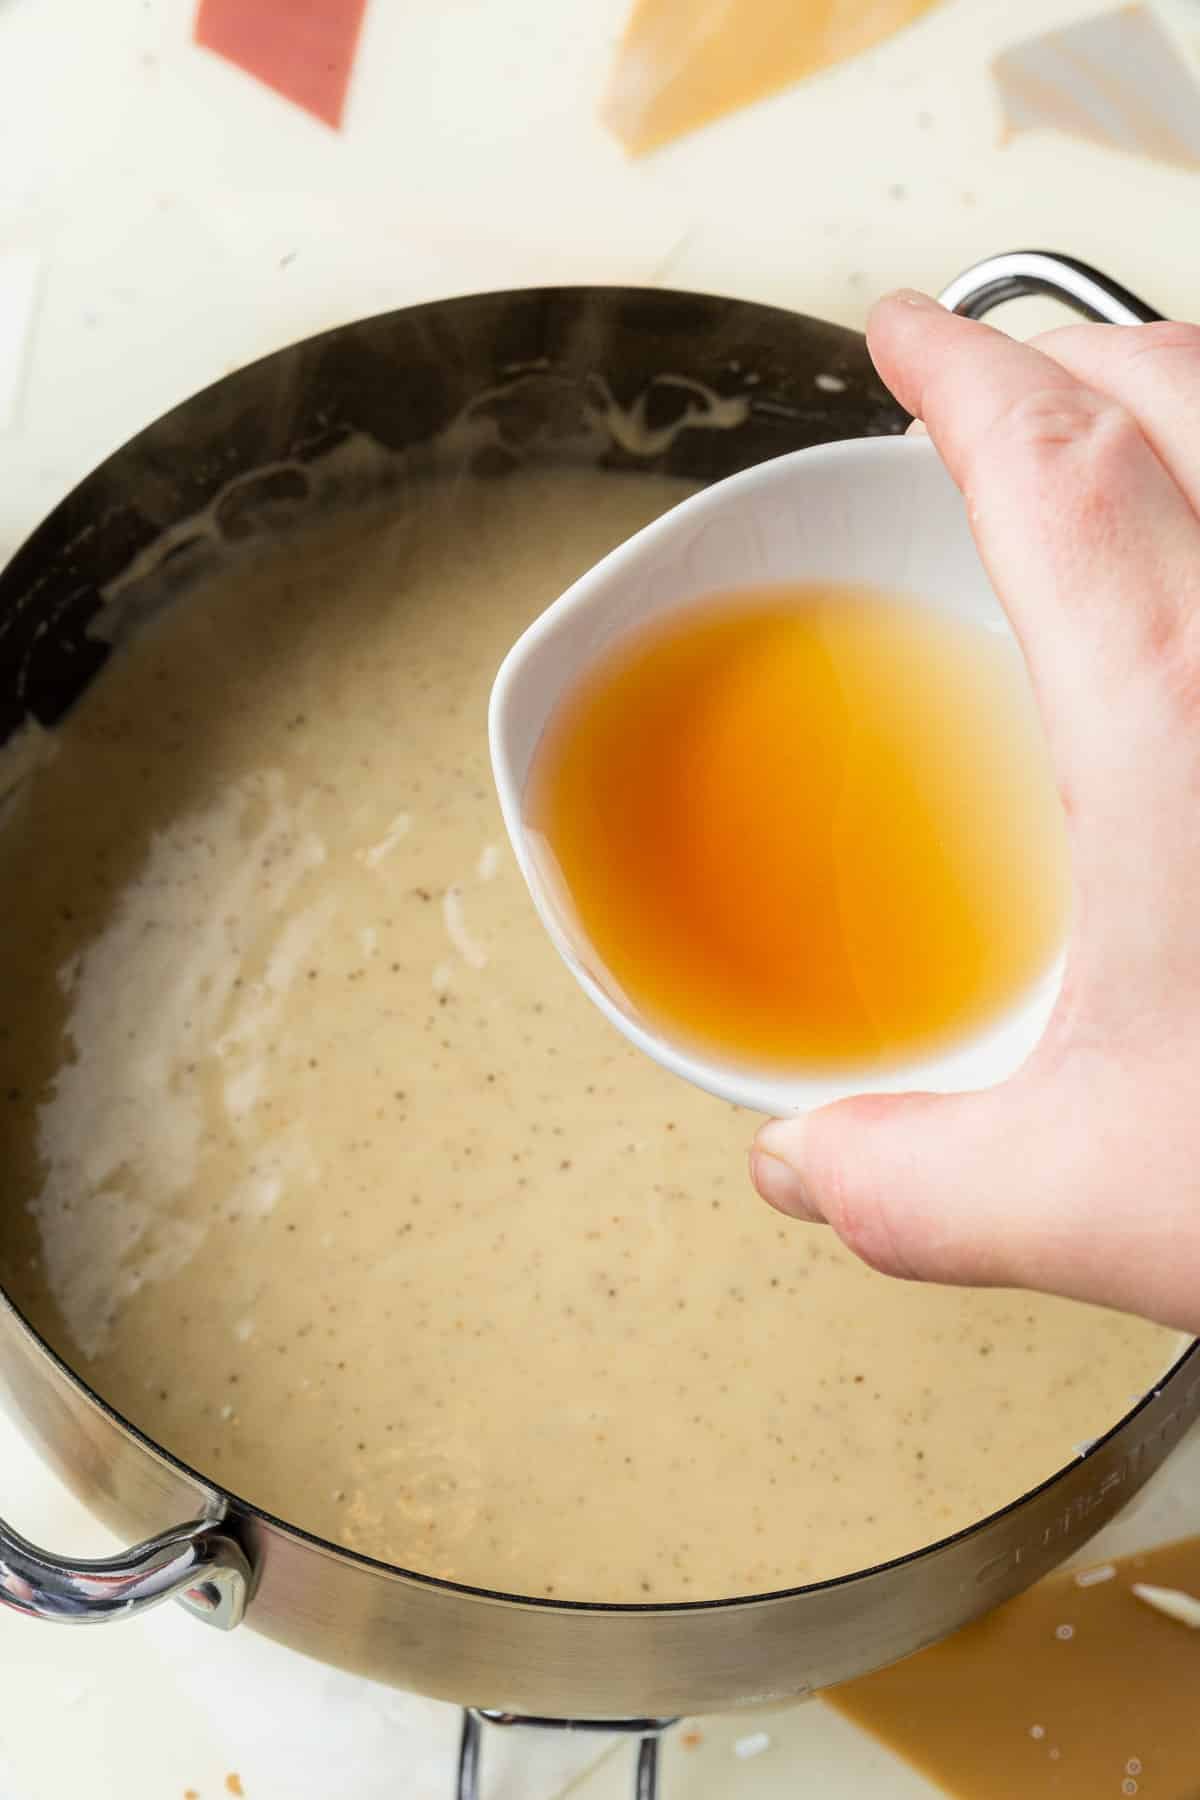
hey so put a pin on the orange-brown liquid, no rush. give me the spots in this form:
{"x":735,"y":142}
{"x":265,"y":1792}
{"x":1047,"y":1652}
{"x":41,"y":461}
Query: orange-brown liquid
{"x":808,"y":827}
{"x":1076,"y":1689}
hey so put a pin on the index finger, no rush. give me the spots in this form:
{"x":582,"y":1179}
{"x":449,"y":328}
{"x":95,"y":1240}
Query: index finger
{"x":1087,"y":538}
{"x":1154,"y":372}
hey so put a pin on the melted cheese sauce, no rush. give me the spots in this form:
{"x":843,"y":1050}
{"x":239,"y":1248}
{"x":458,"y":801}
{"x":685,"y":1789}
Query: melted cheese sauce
{"x":317,"y":1163}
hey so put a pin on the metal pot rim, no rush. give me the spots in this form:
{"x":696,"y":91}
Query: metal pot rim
{"x":986,"y":285}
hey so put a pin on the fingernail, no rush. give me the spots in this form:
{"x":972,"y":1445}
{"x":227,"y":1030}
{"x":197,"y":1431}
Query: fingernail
{"x":914,"y":298}
{"x":781,"y":1186}
{"x":781,"y":1138}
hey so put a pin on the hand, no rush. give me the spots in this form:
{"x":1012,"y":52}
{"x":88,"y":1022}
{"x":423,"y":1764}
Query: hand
{"x":1079,"y":458}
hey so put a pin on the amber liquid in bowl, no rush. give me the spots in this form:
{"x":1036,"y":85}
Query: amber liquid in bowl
{"x":808,"y":826}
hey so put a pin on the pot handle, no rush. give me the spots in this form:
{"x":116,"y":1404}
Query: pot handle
{"x":199,"y":1564}
{"x":1018,"y":273}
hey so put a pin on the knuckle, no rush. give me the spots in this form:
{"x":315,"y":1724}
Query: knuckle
{"x":1168,"y":339}
{"x":1095,"y":346}
{"x":1071,"y":452}
{"x":1087,"y":426}
{"x":1072,"y":337}
{"x":856,"y":1204}
{"x":863,"y":1222}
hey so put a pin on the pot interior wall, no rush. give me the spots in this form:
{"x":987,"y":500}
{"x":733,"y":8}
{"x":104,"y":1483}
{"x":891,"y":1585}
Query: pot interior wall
{"x":483,"y":387}
{"x":480,"y":383}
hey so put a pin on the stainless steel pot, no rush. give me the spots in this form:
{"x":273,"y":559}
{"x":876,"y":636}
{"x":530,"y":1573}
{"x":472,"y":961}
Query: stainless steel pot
{"x":528,"y":366}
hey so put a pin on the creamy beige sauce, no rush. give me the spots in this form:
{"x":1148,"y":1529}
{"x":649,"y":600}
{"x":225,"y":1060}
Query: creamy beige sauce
{"x":318,"y":1164}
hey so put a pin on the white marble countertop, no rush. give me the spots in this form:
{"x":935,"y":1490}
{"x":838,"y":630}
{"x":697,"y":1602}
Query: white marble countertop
{"x":164,"y":219}
{"x":155,"y":1708}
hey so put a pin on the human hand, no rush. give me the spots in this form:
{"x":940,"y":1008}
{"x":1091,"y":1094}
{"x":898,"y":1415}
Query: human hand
{"x":1079,"y":458}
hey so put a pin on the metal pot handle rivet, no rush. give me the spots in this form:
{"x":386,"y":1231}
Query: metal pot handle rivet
{"x":199,"y":1565}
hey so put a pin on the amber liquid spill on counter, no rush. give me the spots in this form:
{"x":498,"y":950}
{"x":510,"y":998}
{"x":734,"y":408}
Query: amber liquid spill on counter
{"x":1075,"y":1690}
{"x":680,"y":65}
{"x":809,"y":827}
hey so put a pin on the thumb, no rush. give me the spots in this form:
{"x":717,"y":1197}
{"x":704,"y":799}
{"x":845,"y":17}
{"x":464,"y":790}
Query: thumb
{"x":929,"y":1187}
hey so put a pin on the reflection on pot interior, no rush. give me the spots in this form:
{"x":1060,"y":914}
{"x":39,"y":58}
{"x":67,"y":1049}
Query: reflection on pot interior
{"x":318,"y":1166}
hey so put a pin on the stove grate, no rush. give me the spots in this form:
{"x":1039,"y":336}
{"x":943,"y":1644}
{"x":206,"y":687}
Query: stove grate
{"x":470,"y":1751}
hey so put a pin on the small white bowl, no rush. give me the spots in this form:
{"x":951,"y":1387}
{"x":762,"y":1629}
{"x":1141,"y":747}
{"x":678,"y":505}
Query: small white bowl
{"x":877,"y":511}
